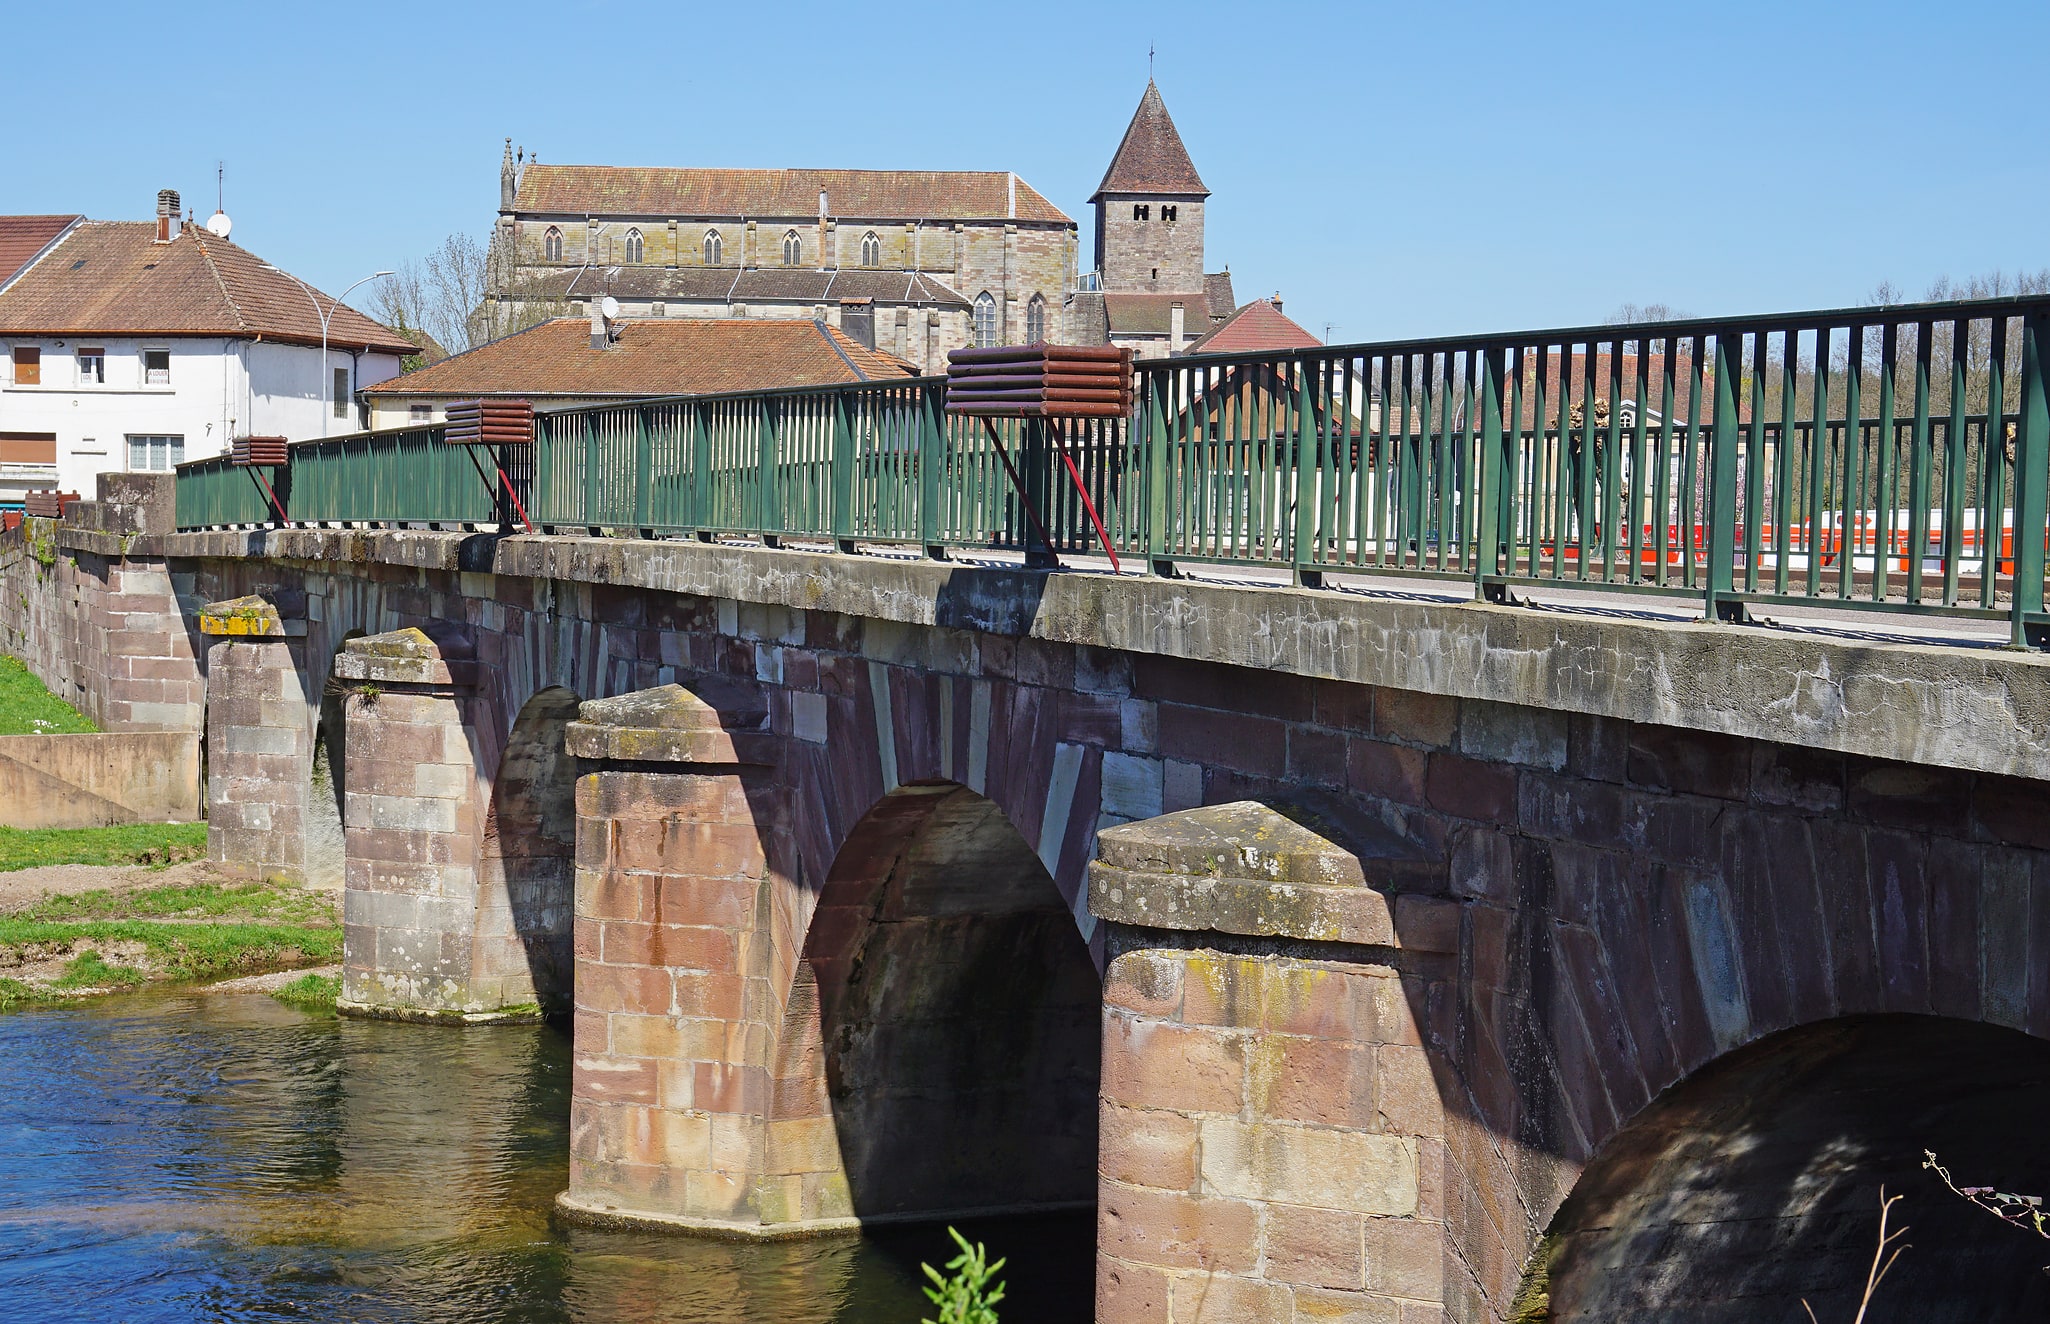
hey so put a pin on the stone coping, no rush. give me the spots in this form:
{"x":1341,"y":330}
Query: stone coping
{"x":408,"y":657}
{"x":1246,"y":868}
{"x":247,"y":617}
{"x":1985,"y":710}
{"x":713,"y":721}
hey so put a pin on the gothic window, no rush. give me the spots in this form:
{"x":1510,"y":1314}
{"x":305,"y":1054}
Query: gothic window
{"x":793,"y":249}
{"x":634,"y":247}
{"x":985,"y":320}
{"x":551,"y":244}
{"x":871,"y":250}
{"x":712,"y":247}
{"x":1035,"y":320}
{"x":1141,"y":211}
{"x":1166,"y":213}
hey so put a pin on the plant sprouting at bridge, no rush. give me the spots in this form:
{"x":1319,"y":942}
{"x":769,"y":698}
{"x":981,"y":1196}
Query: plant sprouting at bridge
{"x":1883,"y":458}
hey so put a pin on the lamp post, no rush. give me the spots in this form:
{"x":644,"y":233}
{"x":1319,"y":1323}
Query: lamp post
{"x":321,"y":391}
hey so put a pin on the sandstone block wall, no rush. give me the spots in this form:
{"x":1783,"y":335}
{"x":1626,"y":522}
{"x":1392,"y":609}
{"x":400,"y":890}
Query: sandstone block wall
{"x":259,"y":750}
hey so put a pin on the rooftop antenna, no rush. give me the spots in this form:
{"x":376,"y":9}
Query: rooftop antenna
{"x":218,"y":223}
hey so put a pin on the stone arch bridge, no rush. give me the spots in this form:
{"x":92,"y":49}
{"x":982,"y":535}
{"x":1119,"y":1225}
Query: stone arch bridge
{"x":1353,"y":957}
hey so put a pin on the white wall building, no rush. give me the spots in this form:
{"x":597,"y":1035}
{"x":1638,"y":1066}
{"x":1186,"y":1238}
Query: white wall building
{"x":138,"y":345}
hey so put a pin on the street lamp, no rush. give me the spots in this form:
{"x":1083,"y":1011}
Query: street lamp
{"x":321,"y":391}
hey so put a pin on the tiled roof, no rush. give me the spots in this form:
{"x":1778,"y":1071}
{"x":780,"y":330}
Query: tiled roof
{"x":113,"y":278}
{"x":1260,"y":325}
{"x":1153,"y":314}
{"x":735,"y":285}
{"x":22,"y":237}
{"x":1151,"y":159}
{"x":653,"y":356}
{"x":875,"y":195}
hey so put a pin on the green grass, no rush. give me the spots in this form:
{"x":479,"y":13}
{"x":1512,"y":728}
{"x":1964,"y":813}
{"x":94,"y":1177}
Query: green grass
{"x":189,"y":951}
{"x":315,"y":994}
{"x":90,"y":970}
{"x":156,"y":844}
{"x":27,"y":708}
{"x":246,"y":901}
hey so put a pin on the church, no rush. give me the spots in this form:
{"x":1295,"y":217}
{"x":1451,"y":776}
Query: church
{"x":911,"y":262}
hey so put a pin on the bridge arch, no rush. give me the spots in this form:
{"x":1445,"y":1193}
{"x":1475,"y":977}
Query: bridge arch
{"x":947,"y":1016}
{"x":1754,"y":1184}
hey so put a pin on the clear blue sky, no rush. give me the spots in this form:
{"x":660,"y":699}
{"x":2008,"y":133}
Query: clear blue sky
{"x":1392,"y":168}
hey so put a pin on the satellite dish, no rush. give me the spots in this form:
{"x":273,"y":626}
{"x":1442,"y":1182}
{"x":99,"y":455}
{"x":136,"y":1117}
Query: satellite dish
{"x":219,"y":223}
{"x":609,"y":308}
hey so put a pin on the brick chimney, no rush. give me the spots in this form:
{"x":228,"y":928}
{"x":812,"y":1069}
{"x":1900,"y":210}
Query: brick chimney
{"x":167,"y":214}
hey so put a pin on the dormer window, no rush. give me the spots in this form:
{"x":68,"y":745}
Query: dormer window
{"x":635,"y":247}
{"x":1141,"y":211}
{"x":1166,"y":213}
{"x":551,"y":244}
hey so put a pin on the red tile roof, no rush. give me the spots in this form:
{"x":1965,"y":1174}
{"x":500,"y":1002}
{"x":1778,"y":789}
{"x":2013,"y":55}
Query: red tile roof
{"x":1260,"y":325}
{"x":1151,"y":159}
{"x":655,"y":356}
{"x":875,"y":195}
{"x":22,"y":237}
{"x":113,"y":278}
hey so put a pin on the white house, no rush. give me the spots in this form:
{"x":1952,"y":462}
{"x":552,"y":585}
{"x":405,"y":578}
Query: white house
{"x":137,"y":345}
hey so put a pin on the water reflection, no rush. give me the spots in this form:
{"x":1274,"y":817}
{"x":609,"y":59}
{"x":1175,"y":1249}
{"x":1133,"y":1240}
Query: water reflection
{"x":174,"y":1157}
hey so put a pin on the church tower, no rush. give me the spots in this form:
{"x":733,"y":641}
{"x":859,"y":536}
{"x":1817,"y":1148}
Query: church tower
{"x":1149,"y":209}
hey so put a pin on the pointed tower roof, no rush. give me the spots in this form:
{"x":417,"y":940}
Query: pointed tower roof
{"x":1151,"y":159}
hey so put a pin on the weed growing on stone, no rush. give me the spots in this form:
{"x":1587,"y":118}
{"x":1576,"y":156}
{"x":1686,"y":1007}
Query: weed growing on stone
{"x":28,"y":708}
{"x":152,"y":844}
{"x":966,"y":1296}
{"x":314,"y":994}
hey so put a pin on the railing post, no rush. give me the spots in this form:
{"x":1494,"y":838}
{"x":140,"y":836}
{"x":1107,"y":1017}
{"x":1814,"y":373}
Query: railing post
{"x":768,"y":495}
{"x":843,"y":473}
{"x":1152,"y":427}
{"x":1492,"y":482}
{"x":2031,"y":477}
{"x":544,"y":472}
{"x":932,"y":453}
{"x":644,"y":470}
{"x":590,"y":511}
{"x":1307,"y":470}
{"x":1719,"y":603}
{"x":701,"y":486}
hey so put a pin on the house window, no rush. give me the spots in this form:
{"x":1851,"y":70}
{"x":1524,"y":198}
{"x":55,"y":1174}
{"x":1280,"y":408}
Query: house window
{"x":551,"y":244}
{"x":1141,"y":211}
{"x":793,"y":249}
{"x":92,"y":365}
{"x":985,"y":320}
{"x":341,"y":392}
{"x":155,"y":454}
{"x":634,"y":247}
{"x":658,"y":309}
{"x":1035,"y":320}
{"x":420,"y":413}
{"x":712,"y":248}
{"x":28,"y":365}
{"x":1166,"y":213}
{"x":871,"y":250}
{"x":156,"y":367}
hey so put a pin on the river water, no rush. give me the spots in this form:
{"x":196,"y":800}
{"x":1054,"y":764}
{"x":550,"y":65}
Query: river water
{"x":172,"y":1156}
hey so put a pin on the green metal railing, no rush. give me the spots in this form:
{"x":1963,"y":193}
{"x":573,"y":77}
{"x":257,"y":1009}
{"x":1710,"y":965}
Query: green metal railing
{"x":1873,"y":458}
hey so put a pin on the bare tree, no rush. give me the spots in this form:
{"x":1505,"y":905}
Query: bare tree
{"x":1629,"y":313}
{"x":452,"y":301}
